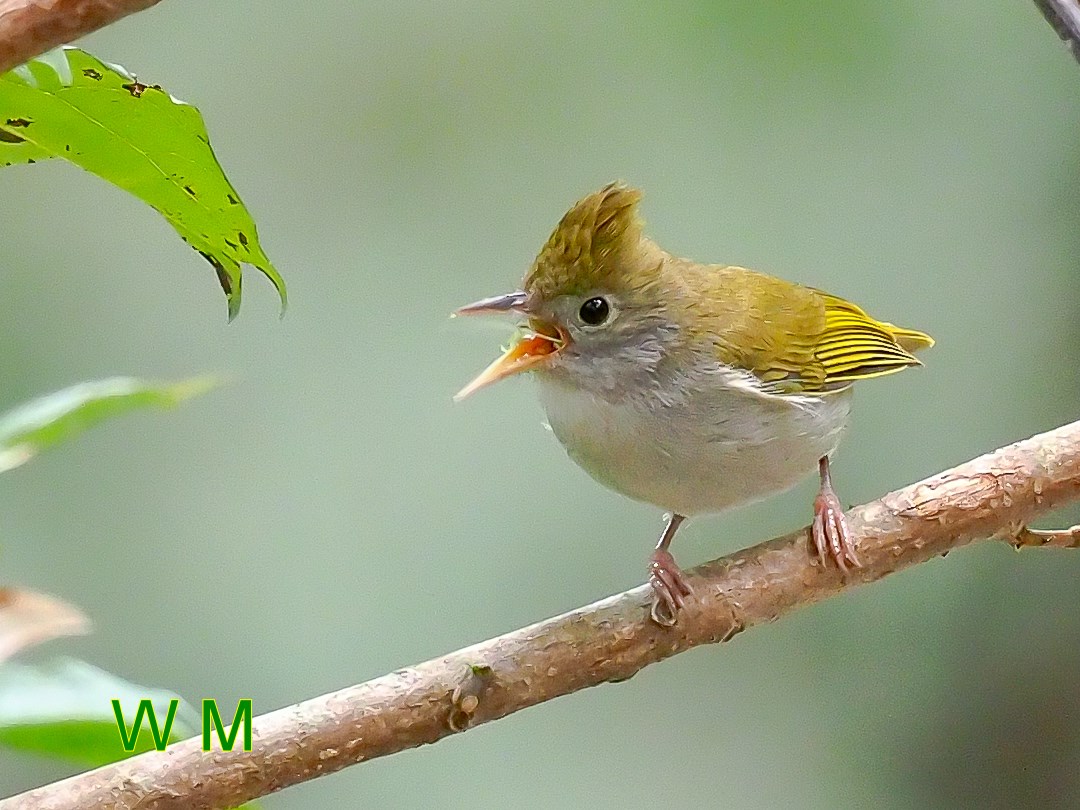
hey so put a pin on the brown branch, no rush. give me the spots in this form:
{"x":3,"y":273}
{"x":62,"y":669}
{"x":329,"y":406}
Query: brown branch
{"x":993,"y":496}
{"x":1064,"y":17}
{"x":1061,"y":538}
{"x":31,"y":27}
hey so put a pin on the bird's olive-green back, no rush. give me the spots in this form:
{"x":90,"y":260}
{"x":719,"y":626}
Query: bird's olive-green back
{"x":794,"y":339}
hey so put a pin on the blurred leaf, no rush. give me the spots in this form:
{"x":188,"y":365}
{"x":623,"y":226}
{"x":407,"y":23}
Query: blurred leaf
{"x":41,"y":423}
{"x":28,"y":618}
{"x":64,"y":709}
{"x":69,"y":104}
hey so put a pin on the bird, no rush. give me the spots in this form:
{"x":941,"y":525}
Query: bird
{"x":692,"y":387}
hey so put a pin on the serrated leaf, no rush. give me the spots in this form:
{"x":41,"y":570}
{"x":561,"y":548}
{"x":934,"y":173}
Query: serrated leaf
{"x":70,"y":104}
{"x":42,"y":423}
{"x":63,"y":708}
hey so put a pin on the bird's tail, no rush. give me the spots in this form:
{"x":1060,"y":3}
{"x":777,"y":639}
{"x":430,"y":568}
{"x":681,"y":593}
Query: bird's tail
{"x":910,"y":339}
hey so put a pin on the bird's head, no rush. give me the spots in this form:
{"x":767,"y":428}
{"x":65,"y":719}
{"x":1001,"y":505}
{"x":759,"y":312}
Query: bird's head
{"x":594,"y":301}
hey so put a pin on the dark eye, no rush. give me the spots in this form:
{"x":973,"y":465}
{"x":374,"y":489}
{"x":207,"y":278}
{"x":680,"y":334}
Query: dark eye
{"x":594,"y":311}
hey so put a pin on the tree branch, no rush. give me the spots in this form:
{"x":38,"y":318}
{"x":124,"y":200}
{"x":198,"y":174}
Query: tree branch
{"x":31,"y":27}
{"x":993,"y":496}
{"x":1064,"y":17}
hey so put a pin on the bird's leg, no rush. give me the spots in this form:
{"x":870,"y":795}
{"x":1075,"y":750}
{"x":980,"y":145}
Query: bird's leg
{"x":832,"y":538}
{"x":667,"y":579}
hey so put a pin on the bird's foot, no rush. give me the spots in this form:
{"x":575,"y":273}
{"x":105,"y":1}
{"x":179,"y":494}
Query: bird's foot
{"x":670,"y":588}
{"x":832,"y":538}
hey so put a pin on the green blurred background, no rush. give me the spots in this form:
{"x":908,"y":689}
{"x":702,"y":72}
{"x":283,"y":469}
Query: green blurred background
{"x":330,"y":515}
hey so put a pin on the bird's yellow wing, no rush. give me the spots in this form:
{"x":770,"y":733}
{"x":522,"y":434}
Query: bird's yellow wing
{"x":794,"y":339}
{"x":853,"y":346}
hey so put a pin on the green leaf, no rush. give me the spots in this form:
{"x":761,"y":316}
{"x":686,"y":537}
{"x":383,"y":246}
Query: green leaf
{"x":44,"y":422}
{"x":14,"y":149}
{"x":64,"y":709}
{"x":69,"y":104}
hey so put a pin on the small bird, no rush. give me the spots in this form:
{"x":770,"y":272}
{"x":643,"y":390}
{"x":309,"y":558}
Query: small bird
{"x":691,"y":387}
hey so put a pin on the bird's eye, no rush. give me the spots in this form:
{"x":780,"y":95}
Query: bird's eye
{"x":594,"y":311}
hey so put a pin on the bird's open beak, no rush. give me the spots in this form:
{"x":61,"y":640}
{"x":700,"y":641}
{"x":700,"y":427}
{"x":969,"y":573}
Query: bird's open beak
{"x":527,"y":352}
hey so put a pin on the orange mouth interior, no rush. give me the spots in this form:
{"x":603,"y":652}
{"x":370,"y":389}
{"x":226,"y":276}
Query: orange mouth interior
{"x":545,"y":340}
{"x":523,"y":355}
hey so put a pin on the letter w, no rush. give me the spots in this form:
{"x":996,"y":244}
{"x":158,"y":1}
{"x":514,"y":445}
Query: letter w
{"x":146,"y":707}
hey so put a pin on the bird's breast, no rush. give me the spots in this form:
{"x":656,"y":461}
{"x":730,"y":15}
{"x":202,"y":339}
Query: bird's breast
{"x":703,"y":450}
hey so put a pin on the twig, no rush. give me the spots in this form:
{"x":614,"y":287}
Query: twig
{"x":31,"y":27}
{"x":993,"y":496}
{"x":1061,"y":538}
{"x":1064,"y":17}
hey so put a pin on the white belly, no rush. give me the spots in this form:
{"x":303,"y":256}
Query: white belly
{"x":705,"y":453}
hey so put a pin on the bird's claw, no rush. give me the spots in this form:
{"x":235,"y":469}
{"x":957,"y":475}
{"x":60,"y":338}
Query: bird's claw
{"x":832,"y":538}
{"x":670,"y":588}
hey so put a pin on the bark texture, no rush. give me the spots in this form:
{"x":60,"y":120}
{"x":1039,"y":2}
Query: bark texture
{"x":31,"y":27}
{"x":993,"y":496}
{"x":1064,"y":16}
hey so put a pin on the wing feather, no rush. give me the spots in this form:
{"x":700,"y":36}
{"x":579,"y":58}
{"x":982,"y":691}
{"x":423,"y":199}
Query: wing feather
{"x":795,"y":340}
{"x":853,"y":346}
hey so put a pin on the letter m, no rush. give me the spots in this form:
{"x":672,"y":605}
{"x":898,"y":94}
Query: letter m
{"x":211,"y":718}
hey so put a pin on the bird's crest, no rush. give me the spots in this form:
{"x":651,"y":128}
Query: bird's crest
{"x":585,"y":246}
